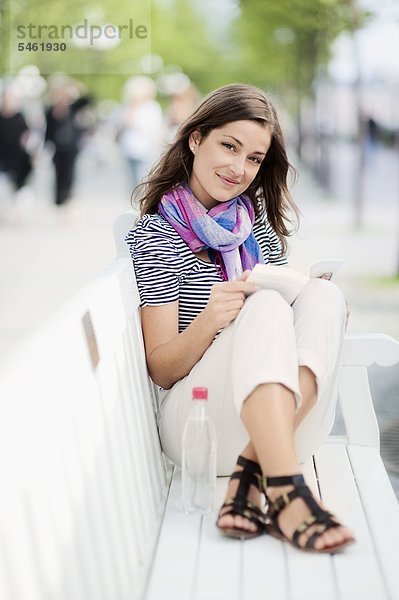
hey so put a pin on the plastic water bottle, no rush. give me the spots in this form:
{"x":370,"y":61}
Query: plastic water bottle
{"x":199,"y":456}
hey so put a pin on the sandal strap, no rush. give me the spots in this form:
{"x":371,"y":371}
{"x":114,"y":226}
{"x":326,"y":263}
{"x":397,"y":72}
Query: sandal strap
{"x":323,"y":522}
{"x":284,"y":500}
{"x":319,"y":518}
{"x":246,"y":479}
{"x":249,"y":465}
{"x":248,"y":510}
{"x":304,"y":526}
{"x":320,"y":529}
{"x":248,"y":476}
{"x":295,"y":480}
{"x":239,"y":505}
{"x":320,"y":524}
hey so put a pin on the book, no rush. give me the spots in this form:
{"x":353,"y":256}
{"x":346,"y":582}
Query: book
{"x":289,"y":282}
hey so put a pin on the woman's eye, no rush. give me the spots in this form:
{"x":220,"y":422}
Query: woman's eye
{"x":254,"y":159}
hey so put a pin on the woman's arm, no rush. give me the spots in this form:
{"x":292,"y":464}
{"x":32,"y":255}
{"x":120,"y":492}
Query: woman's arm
{"x":172,"y":355}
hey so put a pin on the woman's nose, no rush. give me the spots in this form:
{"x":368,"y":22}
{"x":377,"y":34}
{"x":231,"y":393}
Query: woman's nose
{"x":237,"y":165}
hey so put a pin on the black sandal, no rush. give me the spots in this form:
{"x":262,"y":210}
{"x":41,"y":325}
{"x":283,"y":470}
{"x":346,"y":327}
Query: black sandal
{"x":239,"y":505}
{"x":320,"y":519}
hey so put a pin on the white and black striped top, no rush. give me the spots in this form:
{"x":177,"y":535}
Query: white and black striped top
{"x":167,"y":270}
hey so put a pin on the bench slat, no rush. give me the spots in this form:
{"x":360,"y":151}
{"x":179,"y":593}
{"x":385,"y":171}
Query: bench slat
{"x":382,"y":511}
{"x":273,"y":569}
{"x":264,"y":571}
{"x":357,"y":569}
{"x":311,"y":576}
{"x":133,"y":503}
{"x":173,"y":570}
{"x":217,"y":579}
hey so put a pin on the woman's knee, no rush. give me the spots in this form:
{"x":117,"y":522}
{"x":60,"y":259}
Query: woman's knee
{"x":324,"y":296}
{"x":268,"y":302}
{"x":264,"y":316}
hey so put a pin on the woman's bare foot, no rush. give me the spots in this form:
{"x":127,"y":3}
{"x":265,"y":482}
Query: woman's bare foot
{"x":296,"y":512}
{"x":237,"y":521}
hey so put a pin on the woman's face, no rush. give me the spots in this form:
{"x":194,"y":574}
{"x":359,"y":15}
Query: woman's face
{"x":227,"y":160}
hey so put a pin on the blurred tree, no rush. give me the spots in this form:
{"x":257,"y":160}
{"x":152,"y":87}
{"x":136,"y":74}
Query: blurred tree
{"x":81,"y":55}
{"x":3,"y":36}
{"x":284,"y":43}
{"x":181,"y":36}
{"x":177,"y":32}
{"x":277,"y":44}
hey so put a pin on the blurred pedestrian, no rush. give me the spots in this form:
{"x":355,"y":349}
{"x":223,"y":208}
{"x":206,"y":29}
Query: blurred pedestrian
{"x":15,"y":161}
{"x":140,"y":128}
{"x":64,"y":130}
{"x":180,"y":107}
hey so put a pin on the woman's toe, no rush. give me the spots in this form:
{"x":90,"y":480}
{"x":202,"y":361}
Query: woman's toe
{"x":341,"y":535}
{"x":226,"y":521}
{"x":332,"y":538}
{"x":242,"y":523}
{"x":347,"y":535}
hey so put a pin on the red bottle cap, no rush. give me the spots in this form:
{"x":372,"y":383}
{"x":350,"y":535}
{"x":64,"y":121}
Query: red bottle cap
{"x":200,"y":393}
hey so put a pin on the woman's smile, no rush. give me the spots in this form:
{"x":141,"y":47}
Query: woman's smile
{"x":227,"y":160}
{"x":227,"y":181}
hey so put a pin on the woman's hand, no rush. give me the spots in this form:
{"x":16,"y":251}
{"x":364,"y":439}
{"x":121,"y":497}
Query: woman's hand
{"x":172,"y":355}
{"x":226,"y":301}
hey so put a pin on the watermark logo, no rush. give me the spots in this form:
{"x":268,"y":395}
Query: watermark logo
{"x":91,"y":43}
{"x":82,"y":34}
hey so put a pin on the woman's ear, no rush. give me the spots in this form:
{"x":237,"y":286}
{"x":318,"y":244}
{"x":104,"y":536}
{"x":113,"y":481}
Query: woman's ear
{"x":194,"y":140}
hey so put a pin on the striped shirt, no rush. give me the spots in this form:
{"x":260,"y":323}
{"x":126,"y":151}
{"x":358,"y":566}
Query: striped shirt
{"x":167,"y":270}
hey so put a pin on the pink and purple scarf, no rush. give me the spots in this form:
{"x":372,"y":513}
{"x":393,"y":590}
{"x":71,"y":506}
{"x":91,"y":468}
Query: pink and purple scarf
{"x":226,"y":229}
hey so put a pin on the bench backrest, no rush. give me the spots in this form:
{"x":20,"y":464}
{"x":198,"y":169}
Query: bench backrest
{"x":83,"y":480}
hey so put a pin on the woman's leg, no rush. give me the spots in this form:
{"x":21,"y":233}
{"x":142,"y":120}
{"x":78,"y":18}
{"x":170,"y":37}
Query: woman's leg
{"x":319,"y":318}
{"x":269,"y":414}
{"x":308,"y":387}
{"x":320,"y":304}
{"x":236,"y":364}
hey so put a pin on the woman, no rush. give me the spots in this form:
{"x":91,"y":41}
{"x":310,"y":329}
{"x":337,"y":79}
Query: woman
{"x":214,"y":206}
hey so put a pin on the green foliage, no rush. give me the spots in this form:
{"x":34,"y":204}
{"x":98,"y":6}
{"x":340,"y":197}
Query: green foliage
{"x":285,"y":42}
{"x":276,"y":44}
{"x":59,"y":16}
{"x":181,"y":37}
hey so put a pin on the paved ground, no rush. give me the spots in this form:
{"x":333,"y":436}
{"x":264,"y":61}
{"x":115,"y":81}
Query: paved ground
{"x":371,"y":259}
{"x":50,"y":256}
{"x":46,"y":259}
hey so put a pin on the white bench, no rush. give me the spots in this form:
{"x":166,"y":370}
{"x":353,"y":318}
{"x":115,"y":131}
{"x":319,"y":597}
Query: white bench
{"x":90,"y":508}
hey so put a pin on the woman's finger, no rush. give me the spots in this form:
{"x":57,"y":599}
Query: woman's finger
{"x":326,"y":276}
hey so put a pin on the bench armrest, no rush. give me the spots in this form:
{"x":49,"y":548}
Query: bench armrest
{"x":359,"y":352}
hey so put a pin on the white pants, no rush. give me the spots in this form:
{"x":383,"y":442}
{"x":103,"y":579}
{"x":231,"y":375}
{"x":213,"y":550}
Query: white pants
{"x":266,"y":343}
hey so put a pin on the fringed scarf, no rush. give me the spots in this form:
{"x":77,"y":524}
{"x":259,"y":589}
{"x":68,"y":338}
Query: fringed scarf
{"x":226,"y":230}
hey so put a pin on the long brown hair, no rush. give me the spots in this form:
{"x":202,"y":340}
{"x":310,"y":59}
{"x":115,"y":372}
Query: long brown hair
{"x":268,"y":191}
